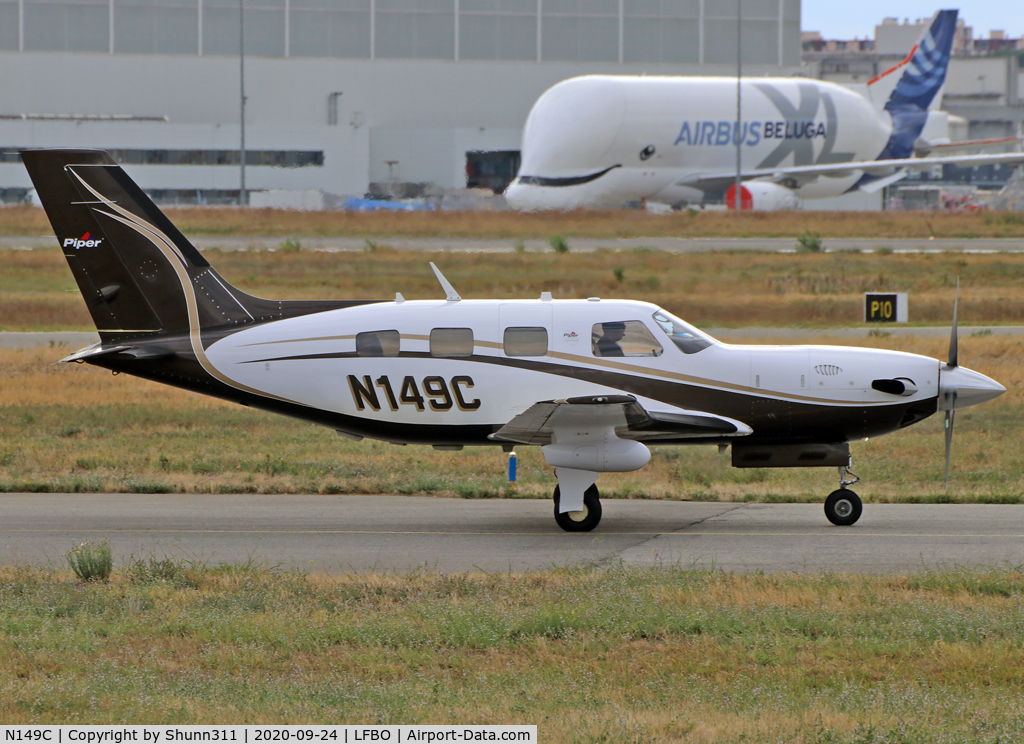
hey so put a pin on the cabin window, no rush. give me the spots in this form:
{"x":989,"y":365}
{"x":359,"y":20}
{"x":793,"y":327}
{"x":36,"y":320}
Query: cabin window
{"x":377,"y":343}
{"x":451,"y":342}
{"x":687,"y":338}
{"x":526,"y":341}
{"x":624,"y":338}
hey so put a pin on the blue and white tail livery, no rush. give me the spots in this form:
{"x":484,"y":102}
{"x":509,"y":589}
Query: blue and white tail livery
{"x":925,"y":73}
{"x":918,"y":88}
{"x":604,"y":140}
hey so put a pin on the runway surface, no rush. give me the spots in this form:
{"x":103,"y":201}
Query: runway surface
{"x":390,"y":533}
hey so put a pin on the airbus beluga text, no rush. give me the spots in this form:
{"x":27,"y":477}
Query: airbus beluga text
{"x":592,"y":382}
{"x":602,"y":140}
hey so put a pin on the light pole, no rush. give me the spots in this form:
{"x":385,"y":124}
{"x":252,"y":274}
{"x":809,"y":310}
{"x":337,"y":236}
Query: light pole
{"x":739,"y":75}
{"x":243,"y":197}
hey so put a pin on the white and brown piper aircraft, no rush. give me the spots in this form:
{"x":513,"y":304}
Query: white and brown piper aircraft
{"x":592,"y":382}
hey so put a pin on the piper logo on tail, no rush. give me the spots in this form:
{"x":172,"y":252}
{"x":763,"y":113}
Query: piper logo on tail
{"x":86,"y":241}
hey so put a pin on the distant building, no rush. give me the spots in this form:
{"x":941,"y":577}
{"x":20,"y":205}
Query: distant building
{"x":812,"y":41}
{"x":896,"y":39}
{"x":343,"y":96}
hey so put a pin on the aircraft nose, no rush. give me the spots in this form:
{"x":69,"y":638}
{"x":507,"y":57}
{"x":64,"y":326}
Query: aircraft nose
{"x":969,"y":388}
{"x":514,"y":195}
{"x":532,"y":198}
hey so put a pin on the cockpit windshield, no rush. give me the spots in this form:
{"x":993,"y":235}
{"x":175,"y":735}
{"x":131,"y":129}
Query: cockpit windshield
{"x":686,"y":337}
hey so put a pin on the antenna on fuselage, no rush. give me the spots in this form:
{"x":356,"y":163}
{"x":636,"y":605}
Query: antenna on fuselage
{"x":450,"y":294}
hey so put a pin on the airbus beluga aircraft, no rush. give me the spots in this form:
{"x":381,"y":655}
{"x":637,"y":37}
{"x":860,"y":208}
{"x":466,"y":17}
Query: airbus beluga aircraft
{"x":593,"y":382}
{"x":604,"y":140}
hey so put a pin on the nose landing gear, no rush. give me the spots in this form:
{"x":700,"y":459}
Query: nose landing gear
{"x":843,"y":507}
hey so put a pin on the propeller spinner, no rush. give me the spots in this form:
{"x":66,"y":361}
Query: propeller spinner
{"x":959,"y":387}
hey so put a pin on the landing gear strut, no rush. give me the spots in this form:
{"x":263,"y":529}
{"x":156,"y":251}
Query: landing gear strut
{"x":843,"y":507}
{"x":580,"y":521}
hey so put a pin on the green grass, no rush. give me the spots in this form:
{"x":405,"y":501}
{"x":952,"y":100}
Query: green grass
{"x":619,"y":654}
{"x":91,"y":562}
{"x":147,"y":449}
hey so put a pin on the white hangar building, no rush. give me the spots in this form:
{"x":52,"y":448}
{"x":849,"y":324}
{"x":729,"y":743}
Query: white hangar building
{"x":341,"y":94}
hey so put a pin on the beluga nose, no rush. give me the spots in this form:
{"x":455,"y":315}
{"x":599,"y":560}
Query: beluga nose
{"x":962,"y":388}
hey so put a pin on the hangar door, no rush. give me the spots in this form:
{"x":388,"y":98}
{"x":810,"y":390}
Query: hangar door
{"x":491,"y":169}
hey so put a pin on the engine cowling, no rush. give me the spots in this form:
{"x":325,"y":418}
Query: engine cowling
{"x":762,"y":195}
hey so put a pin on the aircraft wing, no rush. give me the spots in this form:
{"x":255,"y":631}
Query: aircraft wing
{"x":881,"y":168}
{"x":621,"y":413}
{"x":924,"y":149}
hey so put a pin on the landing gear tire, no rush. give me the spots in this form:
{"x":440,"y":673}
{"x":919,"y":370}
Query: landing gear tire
{"x":843,"y":507}
{"x":580,"y":521}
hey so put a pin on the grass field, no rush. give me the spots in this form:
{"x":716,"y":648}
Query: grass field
{"x":229,"y":221}
{"x":617,"y":655}
{"x":77,"y":428}
{"x":37,"y":291}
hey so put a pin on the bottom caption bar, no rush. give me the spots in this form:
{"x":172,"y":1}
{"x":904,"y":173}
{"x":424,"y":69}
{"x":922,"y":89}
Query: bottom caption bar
{"x":261,"y":734}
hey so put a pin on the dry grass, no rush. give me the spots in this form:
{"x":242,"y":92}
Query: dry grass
{"x":77,"y":428}
{"x":37,"y":291}
{"x":211,"y":221}
{"x":661,"y":655}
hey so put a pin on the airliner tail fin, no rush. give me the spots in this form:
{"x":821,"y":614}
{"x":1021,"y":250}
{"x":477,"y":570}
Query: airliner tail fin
{"x":921,"y":77}
{"x":922,"y":73}
{"x":924,"y":76}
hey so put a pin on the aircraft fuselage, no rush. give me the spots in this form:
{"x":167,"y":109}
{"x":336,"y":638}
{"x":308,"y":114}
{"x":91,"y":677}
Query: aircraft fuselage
{"x":312,"y":367}
{"x":654,"y":134}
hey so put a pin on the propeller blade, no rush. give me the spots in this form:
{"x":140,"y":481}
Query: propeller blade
{"x":953,"y":334}
{"x":950,"y":414}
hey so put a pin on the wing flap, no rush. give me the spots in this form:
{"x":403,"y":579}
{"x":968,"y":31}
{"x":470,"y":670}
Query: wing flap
{"x":530,"y":426}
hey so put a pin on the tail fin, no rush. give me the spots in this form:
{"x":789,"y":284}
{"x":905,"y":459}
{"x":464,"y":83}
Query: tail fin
{"x":926,"y":73}
{"x":923,"y":75}
{"x":138,"y":274}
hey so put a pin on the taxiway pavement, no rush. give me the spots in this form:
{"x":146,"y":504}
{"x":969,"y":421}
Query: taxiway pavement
{"x":388,"y":533}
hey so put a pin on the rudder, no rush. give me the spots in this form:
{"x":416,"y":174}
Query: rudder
{"x":924,"y":74}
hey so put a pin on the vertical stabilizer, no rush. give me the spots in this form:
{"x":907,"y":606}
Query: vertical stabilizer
{"x":925,"y":74}
{"x":918,"y":84}
{"x":138,"y":274}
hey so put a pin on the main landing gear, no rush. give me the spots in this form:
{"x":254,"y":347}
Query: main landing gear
{"x":580,"y":521}
{"x":843,"y":507}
